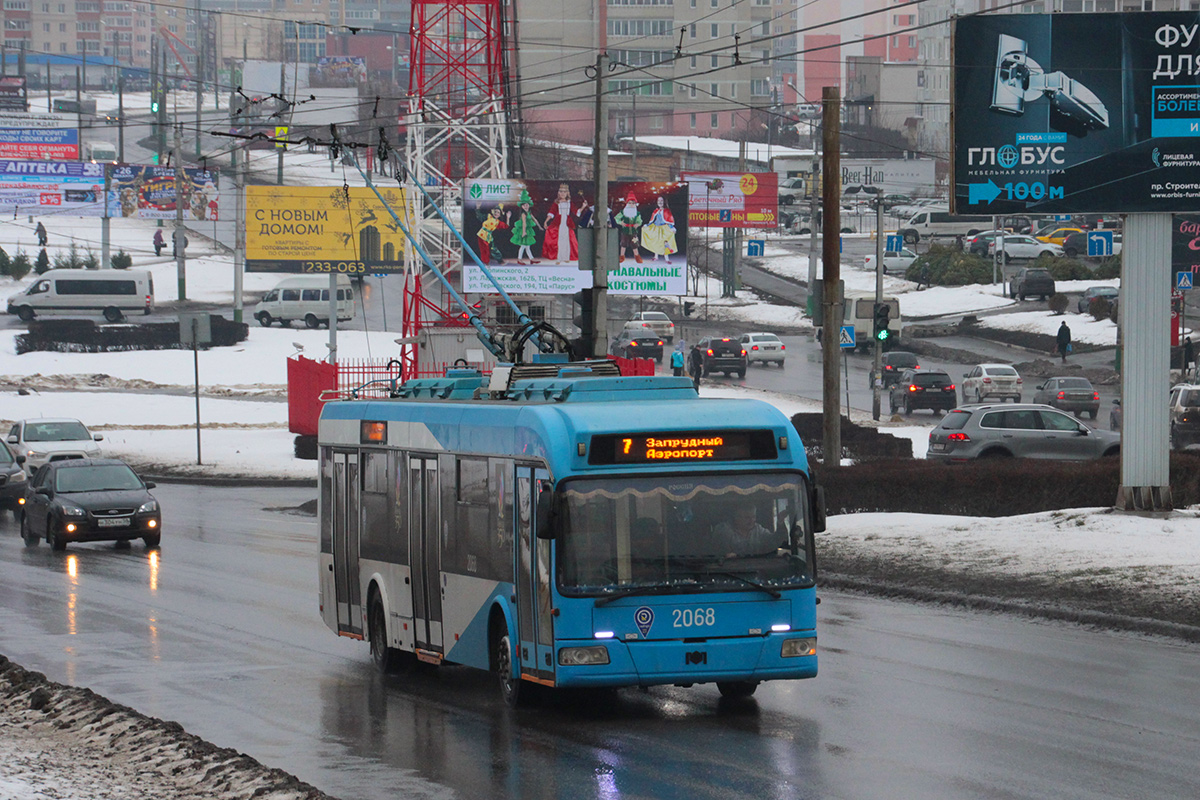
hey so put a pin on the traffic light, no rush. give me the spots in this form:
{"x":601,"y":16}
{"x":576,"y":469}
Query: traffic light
{"x":583,"y":320}
{"x":688,"y":308}
{"x":883,"y":316}
{"x":154,"y":105}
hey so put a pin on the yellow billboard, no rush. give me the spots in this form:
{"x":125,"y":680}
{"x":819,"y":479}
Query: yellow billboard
{"x":323,"y":229}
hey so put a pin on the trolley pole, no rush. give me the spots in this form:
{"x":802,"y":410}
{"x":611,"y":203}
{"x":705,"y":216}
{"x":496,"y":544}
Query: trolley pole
{"x":831,"y":299}
{"x":876,"y":377}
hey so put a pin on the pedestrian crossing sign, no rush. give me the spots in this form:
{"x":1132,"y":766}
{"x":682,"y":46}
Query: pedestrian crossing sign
{"x":847,"y":337}
{"x":1183,"y":281}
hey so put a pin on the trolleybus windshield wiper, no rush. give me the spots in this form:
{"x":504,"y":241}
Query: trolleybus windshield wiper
{"x":658,"y":587}
{"x":775,"y":594}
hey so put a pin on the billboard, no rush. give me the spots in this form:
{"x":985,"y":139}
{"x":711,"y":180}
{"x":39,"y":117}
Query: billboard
{"x":67,"y":188}
{"x":148,"y":192}
{"x":339,"y":71}
{"x":1185,"y":244}
{"x":525,"y":231}
{"x":323,"y":229}
{"x":911,"y":176}
{"x":25,"y":134}
{"x":1069,"y":113}
{"x":14,"y":95}
{"x":732,"y":199}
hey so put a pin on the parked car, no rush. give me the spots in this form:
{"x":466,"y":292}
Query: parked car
{"x":764,"y":347}
{"x":89,"y":500}
{"x":12,"y":479}
{"x":1029,"y":281}
{"x":1109,"y":293}
{"x":890,"y":201}
{"x":981,"y":243}
{"x":1077,"y":244}
{"x":1185,"y":416}
{"x":895,"y":262}
{"x":47,"y":439}
{"x":659,"y":322}
{"x":1076,"y":395}
{"x":722,"y":354}
{"x":920,"y":388}
{"x":991,"y":380}
{"x":894,"y":363}
{"x":1019,"y":246}
{"x":792,"y":190}
{"x":1057,"y":235}
{"x":1019,"y":431}
{"x":638,"y":342}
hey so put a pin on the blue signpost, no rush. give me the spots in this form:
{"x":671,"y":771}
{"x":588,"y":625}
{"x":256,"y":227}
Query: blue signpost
{"x":847,"y":338}
{"x":895,"y":243}
{"x":1183,"y":281}
{"x":756,"y":247}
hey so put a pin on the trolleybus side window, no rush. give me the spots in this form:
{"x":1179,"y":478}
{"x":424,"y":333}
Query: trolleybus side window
{"x":500,"y":542}
{"x":326,"y":500}
{"x":467,"y":548}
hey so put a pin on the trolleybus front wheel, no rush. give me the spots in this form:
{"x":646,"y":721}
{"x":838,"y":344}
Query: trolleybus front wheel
{"x":736,"y":688}
{"x":512,"y":689}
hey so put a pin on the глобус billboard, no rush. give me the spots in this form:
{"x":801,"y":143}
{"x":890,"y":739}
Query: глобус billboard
{"x":1076,"y":113}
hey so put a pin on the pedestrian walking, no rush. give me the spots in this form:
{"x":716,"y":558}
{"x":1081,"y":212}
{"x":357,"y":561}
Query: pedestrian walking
{"x":40,"y":230}
{"x":1063,"y":340}
{"x":1189,"y":358}
{"x":677,"y":362}
{"x":159,"y":242}
{"x":696,"y":364}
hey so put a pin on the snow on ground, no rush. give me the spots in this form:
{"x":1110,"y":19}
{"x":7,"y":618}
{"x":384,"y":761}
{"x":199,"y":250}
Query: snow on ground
{"x":1083,"y":327}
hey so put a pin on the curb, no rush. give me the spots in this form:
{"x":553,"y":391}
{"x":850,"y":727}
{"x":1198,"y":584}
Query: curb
{"x":233,"y":480}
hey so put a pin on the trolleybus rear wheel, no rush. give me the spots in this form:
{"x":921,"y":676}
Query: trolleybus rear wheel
{"x":387,"y":659}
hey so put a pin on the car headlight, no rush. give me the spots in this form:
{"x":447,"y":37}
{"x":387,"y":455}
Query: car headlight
{"x":798,"y":647}
{"x":72,"y":510}
{"x":34,"y":454}
{"x":146,"y":508}
{"x":17,"y":477}
{"x":582,"y":656}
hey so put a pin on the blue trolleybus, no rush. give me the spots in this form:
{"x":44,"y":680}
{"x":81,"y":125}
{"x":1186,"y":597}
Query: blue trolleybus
{"x":565,"y":527}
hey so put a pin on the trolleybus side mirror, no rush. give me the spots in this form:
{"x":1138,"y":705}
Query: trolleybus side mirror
{"x":545,"y":514}
{"x":818,"y":509}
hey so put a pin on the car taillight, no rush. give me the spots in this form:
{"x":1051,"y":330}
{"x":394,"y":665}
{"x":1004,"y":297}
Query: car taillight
{"x":1020,"y":380}
{"x":743,"y":352}
{"x":755,"y":347}
{"x":912,"y":387}
{"x":710,"y":352}
{"x":888,"y":367}
{"x":1062,"y":395}
{"x":959,"y":437}
{"x":633,"y":344}
{"x":1095,"y":395}
{"x":949,"y":388}
{"x":660,"y":344}
{"x":783,"y":347}
{"x":987,"y":380}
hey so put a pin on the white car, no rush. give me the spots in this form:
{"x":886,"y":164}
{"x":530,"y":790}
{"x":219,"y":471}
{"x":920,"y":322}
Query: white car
{"x":763,"y":347}
{"x":47,"y":439}
{"x":1020,"y":246}
{"x":991,"y":380}
{"x":895,"y":262}
{"x":658,"y":322}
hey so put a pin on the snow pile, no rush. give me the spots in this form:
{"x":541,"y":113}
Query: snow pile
{"x":62,"y":742}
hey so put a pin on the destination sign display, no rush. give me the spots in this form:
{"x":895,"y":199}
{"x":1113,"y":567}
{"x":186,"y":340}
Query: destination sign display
{"x":681,"y":446}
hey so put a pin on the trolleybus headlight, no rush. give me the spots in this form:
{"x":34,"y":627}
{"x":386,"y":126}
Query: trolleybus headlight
{"x":798,"y":647}
{"x":582,"y":656}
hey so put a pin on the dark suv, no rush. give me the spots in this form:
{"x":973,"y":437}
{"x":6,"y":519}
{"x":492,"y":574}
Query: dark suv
{"x":895,"y":363}
{"x":1029,"y":281}
{"x":1185,"y":416}
{"x":919,"y":388}
{"x":722,"y":354}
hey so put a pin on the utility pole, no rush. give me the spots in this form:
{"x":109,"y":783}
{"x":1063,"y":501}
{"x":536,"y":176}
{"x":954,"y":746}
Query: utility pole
{"x":179,"y":237}
{"x":120,"y":116}
{"x":240,"y":177}
{"x":105,"y":223}
{"x":831,"y":298}
{"x":199,"y":72}
{"x":49,"y":99}
{"x":813,"y":228}
{"x":278,"y":147}
{"x":876,"y":376}
{"x":600,"y":215}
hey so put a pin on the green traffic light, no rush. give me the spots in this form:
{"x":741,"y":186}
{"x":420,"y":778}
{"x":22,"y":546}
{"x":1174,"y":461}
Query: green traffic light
{"x":882,"y":335}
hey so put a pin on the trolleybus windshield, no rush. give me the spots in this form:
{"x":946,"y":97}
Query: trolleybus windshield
{"x":684,"y":533}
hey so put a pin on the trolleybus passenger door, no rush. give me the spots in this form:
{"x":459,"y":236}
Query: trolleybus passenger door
{"x":534,"y":599}
{"x":424,"y":524}
{"x":344,"y":516}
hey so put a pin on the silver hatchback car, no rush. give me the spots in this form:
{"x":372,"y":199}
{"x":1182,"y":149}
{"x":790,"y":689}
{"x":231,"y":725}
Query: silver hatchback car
{"x":1023,"y":430}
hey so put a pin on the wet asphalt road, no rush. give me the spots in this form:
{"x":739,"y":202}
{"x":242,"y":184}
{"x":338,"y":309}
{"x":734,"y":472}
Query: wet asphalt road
{"x":220,"y":632}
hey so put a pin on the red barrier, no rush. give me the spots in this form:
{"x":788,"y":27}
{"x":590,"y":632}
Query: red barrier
{"x":306,"y":380}
{"x":634,"y":366}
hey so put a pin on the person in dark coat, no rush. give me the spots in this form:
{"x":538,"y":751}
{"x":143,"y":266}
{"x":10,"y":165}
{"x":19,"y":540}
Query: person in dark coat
{"x":40,"y":230}
{"x":696,"y":365}
{"x":1063,"y":340}
{"x":1189,"y":358}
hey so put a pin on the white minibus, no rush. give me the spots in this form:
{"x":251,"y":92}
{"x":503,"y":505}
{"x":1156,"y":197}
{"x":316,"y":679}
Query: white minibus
{"x":112,"y":292}
{"x":305,"y":297}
